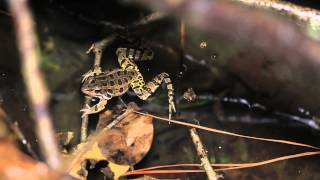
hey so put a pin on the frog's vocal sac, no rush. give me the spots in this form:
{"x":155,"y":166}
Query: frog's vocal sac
{"x":105,"y":85}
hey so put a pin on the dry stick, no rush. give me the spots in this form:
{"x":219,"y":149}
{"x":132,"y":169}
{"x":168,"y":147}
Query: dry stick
{"x":33,"y":78}
{"x":113,"y":26}
{"x":202,"y":153}
{"x":84,"y":121}
{"x":229,"y":133}
{"x":154,"y":170}
{"x":286,"y":8}
{"x":232,"y":166}
{"x":97,"y":49}
{"x":147,"y":19}
{"x":17,"y":131}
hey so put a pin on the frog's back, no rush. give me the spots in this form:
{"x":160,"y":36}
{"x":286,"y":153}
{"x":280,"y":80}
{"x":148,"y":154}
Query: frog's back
{"x":115,"y":82}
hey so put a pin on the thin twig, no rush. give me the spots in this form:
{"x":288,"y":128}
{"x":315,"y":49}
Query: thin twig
{"x":154,"y":170}
{"x":147,"y":19}
{"x":84,"y":121}
{"x":202,"y":153}
{"x":116,"y":27}
{"x":33,"y":78}
{"x":229,"y":133}
{"x":144,"y":21}
{"x":97,"y":49}
{"x":17,"y":131}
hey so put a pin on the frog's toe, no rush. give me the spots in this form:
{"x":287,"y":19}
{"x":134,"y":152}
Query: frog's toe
{"x":86,"y":76}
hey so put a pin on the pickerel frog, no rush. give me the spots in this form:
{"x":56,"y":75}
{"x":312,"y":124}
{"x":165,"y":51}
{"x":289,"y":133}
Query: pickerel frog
{"x":109,"y":84}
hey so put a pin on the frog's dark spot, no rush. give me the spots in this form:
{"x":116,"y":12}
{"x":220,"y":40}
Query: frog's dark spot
{"x":93,"y":81}
{"x":111,"y":83}
{"x":119,"y":73}
{"x":104,"y":83}
{"x":149,"y":90}
{"x":156,"y":83}
{"x":121,"y":90}
{"x":121,"y":63}
{"x":125,"y":80}
{"x":119,"y":82}
{"x":111,"y":76}
{"x":110,"y":91}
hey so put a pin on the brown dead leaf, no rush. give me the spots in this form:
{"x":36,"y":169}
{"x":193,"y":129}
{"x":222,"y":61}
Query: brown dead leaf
{"x":122,"y":144}
{"x":128,"y":141}
{"x":88,"y":151}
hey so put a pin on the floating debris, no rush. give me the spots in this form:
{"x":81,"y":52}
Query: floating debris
{"x":203,"y":44}
{"x":189,"y":95}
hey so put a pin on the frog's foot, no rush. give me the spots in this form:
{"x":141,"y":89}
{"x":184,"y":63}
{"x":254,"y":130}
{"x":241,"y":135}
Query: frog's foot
{"x":94,"y":109}
{"x":95,"y":71}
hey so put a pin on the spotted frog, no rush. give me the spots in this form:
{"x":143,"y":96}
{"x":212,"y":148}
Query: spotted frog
{"x":109,"y":84}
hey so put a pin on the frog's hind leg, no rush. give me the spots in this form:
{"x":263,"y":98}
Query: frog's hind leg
{"x":144,"y":91}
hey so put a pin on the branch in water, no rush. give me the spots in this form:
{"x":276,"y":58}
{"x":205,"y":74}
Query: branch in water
{"x":33,"y":78}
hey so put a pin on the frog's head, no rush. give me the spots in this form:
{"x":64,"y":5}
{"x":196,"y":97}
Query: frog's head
{"x":90,"y":87}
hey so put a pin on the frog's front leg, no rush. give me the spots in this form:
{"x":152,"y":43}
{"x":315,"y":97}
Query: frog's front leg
{"x":94,"y":109}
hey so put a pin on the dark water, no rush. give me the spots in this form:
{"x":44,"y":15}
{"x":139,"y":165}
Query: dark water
{"x":65,"y":36}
